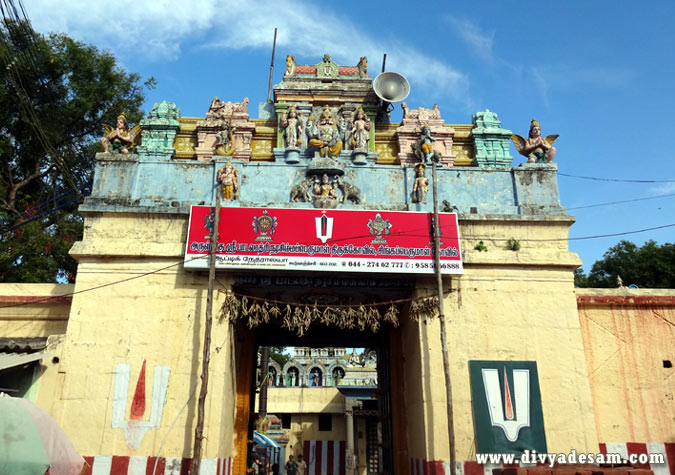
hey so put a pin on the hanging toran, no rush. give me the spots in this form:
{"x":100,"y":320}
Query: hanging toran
{"x":299,"y":316}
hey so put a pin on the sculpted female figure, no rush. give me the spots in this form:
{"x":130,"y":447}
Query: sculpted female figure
{"x":360,"y":131}
{"x":421,"y":185}
{"x":292,"y":126}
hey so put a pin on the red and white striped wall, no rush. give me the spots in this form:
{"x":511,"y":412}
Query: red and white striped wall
{"x":626,"y":448}
{"x":325,"y":457}
{"x":442,"y":467}
{"x":123,"y":465}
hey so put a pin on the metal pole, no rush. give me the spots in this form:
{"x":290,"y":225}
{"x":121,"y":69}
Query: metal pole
{"x":269,"y":88}
{"x":384,"y":61}
{"x":441,"y":318}
{"x":206,"y":356}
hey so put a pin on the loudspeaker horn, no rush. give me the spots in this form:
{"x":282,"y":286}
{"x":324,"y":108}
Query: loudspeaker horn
{"x":391,"y":87}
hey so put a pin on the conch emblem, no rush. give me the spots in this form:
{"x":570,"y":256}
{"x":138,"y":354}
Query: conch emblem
{"x":264,"y":226}
{"x":378,"y":227}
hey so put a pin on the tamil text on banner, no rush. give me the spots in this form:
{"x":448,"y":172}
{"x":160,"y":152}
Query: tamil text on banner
{"x":323,"y":240}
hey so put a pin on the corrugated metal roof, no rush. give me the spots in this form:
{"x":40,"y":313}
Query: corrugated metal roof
{"x":25,"y":345}
{"x":10,"y":360}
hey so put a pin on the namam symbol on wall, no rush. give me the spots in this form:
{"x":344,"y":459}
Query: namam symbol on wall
{"x":136,"y":427}
{"x":502,"y":411}
{"x":507,"y":411}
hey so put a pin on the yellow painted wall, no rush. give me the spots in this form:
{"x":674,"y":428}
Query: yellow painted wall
{"x":305,"y":426}
{"x":629,"y":335}
{"x":158,"y":318}
{"x":22,"y":317}
{"x":303,"y":399}
{"x":507,"y":306}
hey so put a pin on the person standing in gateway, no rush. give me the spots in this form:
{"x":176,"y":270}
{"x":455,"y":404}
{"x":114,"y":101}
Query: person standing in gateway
{"x":302,"y":466}
{"x":291,"y":466}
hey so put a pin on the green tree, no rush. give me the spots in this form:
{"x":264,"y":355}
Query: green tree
{"x":279,"y":354}
{"x":649,"y":266}
{"x":55,"y":94}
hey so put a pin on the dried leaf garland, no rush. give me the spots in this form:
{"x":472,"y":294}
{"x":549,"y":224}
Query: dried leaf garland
{"x":299,"y":317}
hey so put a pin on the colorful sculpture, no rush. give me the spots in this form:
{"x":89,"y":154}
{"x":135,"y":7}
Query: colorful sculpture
{"x":326,"y":135}
{"x":421,"y":185}
{"x":290,"y":65}
{"x":228,"y":178}
{"x":360,"y":131}
{"x":424,"y":148}
{"x":362,"y":66}
{"x":120,"y":139}
{"x":325,"y":188}
{"x":536,"y":148}
{"x":292,"y":125}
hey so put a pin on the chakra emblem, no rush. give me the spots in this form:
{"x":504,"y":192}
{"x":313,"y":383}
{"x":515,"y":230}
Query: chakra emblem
{"x":264,"y":226}
{"x":378,"y":227}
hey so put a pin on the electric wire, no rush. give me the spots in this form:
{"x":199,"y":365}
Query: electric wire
{"x":615,"y":179}
{"x":621,"y":201}
{"x":144,"y":274}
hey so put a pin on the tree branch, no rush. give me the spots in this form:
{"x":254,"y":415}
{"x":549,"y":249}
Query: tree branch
{"x":11,"y":201}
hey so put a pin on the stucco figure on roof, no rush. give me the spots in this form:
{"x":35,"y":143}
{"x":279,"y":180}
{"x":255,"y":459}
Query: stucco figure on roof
{"x":360,"y":130}
{"x":228,"y":177}
{"x":362,"y":66}
{"x":325,"y":135}
{"x":291,"y":122}
{"x":421,"y":185}
{"x":121,"y":138}
{"x":536,"y":148}
{"x":290,"y":65}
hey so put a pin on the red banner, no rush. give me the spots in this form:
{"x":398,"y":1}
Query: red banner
{"x":323,"y":240}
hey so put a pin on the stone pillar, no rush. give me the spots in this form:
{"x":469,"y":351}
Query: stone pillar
{"x":350,"y":456}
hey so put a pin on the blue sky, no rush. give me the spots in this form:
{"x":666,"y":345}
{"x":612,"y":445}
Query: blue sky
{"x":599,"y":73}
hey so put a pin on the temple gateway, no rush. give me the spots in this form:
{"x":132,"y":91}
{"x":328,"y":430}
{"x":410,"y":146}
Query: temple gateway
{"x":412,"y":338}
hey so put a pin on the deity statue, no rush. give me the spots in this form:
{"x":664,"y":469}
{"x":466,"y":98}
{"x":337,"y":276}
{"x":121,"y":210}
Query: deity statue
{"x":326,"y":134}
{"x":292,"y":125}
{"x":426,"y":142}
{"x":363,"y":67}
{"x":290,"y":65}
{"x":121,"y":138}
{"x":360,"y":131}
{"x":225,"y":139}
{"x":228,"y":178}
{"x":325,"y":189}
{"x":536,"y":148}
{"x":423,"y":149}
{"x":421,"y":185}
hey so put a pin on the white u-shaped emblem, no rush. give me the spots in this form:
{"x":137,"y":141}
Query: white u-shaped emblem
{"x":502,"y":411}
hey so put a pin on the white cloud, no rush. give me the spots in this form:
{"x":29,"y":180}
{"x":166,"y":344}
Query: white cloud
{"x":478,"y":41}
{"x":662,"y":189}
{"x":158,"y":30}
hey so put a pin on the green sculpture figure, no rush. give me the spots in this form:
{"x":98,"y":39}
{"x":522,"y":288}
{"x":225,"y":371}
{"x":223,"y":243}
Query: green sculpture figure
{"x":120,"y":139}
